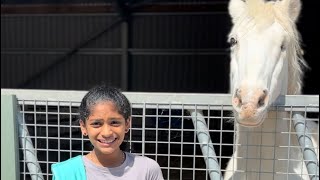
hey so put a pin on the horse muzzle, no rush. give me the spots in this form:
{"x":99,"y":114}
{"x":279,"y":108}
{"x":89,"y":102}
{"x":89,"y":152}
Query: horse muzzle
{"x":250,"y":109}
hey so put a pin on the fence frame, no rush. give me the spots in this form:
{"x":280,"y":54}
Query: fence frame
{"x":11,"y":96}
{"x":9,"y":138}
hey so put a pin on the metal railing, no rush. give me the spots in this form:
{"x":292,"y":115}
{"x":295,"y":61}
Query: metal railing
{"x":189,"y":135}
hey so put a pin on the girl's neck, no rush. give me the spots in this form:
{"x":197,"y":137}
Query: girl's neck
{"x":114,"y":159}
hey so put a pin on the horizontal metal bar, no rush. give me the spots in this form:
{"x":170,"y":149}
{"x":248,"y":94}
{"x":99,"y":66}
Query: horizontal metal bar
{"x":114,"y":51}
{"x":161,"y":99}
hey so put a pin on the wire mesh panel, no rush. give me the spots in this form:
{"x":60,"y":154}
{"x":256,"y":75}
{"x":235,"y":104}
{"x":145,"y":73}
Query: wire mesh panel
{"x":166,"y":133}
{"x":162,"y":128}
{"x":54,"y":132}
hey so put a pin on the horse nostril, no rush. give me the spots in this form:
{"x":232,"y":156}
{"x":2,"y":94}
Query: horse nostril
{"x":240,"y":101}
{"x":237,"y":98}
{"x":237,"y":101}
{"x":238,"y":91}
{"x":262,"y":98}
{"x":260,"y":102}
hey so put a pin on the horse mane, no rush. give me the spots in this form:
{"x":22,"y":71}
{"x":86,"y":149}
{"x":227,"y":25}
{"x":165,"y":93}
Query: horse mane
{"x":260,"y":13}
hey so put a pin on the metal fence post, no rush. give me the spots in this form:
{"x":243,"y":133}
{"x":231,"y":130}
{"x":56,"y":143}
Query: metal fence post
{"x":9,"y":139}
{"x":305,"y":141}
{"x":206,"y":145}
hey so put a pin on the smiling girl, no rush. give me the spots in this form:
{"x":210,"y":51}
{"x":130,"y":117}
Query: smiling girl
{"x":105,"y":115}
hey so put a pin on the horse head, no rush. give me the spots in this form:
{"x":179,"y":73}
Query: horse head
{"x":266,"y":59}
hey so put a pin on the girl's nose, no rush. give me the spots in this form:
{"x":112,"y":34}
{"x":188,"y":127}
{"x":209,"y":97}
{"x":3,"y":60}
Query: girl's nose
{"x":106,"y":131}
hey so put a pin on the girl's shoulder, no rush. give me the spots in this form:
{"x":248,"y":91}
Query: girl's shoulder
{"x":143,"y":160}
{"x":70,"y":162}
{"x":69,"y":168}
{"x":147,"y":166}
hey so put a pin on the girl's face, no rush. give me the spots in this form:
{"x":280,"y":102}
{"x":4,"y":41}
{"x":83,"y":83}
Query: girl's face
{"x":105,"y":128}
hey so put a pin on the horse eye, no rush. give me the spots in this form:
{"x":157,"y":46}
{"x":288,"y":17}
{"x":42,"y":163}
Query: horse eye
{"x":233,"y":42}
{"x":283,"y":47}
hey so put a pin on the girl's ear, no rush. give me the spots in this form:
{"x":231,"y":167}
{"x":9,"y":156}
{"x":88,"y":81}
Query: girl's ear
{"x":128,"y":124}
{"x":83,"y":128}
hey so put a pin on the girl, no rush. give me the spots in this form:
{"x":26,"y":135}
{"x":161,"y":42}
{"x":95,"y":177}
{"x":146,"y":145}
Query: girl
{"x":105,"y":115}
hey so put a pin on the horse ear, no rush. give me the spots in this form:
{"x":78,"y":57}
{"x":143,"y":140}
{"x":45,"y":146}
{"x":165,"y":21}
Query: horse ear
{"x":236,"y":9}
{"x":292,"y":7}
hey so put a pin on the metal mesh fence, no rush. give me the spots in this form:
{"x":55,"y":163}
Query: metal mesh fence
{"x":162,"y":129}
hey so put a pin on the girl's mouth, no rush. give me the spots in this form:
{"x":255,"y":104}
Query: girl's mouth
{"x":107,"y":142}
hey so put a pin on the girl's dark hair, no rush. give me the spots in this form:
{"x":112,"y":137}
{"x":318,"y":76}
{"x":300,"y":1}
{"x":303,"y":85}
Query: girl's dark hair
{"x":100,"y":94}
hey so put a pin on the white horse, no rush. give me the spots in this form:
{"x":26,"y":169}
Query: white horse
{"x":266,"y":61}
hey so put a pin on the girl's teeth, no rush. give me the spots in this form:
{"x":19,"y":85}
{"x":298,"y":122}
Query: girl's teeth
{"x":107,"y":141}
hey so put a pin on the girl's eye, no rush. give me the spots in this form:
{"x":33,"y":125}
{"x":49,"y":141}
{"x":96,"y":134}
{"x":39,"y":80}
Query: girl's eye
{"x":96,"y":124}
{"x":115,"y":123}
